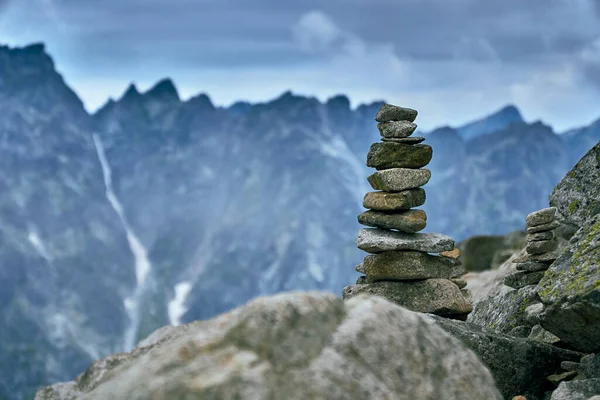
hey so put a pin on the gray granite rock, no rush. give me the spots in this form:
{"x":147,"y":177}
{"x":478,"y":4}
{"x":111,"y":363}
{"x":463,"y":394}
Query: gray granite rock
{"x":546,"y":235}
{"x":399,"y":179}
{"x":296,"y":346}
{"x":385,"y":201}
{"x":523,"y":278}
{"x":407,"y":140}
{"x":461,"y":283}
{"x":396,"y":129}
{"x":589,"y":366}
{"x":577,"y":390}
{"x":386,"y":155}
{"x":533,"y":312}
{"x":532,"y":266}
{"x":373,"y":240}
{"x":541,"y":246}
{"x":409,"y":221}
{"x":405,"y":265}
{"x":570,"y":291}
{"x":435,"y":296}
{"x":389,"y":112}
{"x":539,"y":334}
{"x":541,"y":217}
{"x":577,"y":196}
{"x":543,"y":258}
{"x":504,"y":312}
{"x":545,"y":227}
{"x":520,"y":366}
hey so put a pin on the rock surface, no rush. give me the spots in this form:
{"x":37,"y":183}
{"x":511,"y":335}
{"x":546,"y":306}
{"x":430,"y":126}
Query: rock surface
{"x":541,"y":217}
{"x":478,"y":251}
{"x":405,"y":265}
{"x":577,"y":196}
{"x":396,"y":129}
{"x":577,"y":390}
{"x":399,"y":179}
{"x":544,"y":258}
{"x":296,"y":346}
{"x":505,"y":312}
{"x":410,"y":221}
{"x":521,"y":279}
{"x":436,"y":296}
{"x":386,"y":155}
{"x":384,"y":201}
{"x":389,"y":112}
{"x":520,"y":366}
{"x":373,"y":240}
{"x":570,"y":290}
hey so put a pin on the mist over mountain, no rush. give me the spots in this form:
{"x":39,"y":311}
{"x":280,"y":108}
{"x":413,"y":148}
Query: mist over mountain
{"x":157,"y":211}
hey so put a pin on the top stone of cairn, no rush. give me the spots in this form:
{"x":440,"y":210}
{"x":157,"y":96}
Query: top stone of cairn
{"x":541,"y":217}
{"x":389,"y":112}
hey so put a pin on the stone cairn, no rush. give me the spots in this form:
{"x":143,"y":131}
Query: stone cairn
{"x":418,"y":271}
{"x":541,"y":249}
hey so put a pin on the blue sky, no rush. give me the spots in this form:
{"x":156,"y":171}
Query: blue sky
{"x":453,"y":60}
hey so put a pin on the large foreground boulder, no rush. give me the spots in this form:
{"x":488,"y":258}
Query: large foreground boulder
{"x":520,"y":366}
{"x":570,"y":291}
{"x":292,"y":346}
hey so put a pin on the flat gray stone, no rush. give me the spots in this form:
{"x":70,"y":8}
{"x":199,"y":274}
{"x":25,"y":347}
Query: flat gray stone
{"x":541,"y":217}
{"x":545,"y":227}
{"x":385,"y":201}
{"x":389,"y":112}
{"x":545,"y":258}
{"x":535,"y":237}
{"x":373,"y":240}
{"x":405,"y":265}
{"x":577,"y":390}
{"x":396,"y":129}
{"x":541,"y":247}
{"x":541,"y":335}
{"x":386,"y":155}
{"x":407,"y":140}
{"x":435,"y":296}
{"x":399,"y":179}
{"x":522,"y":278}
{"x":409,"y":221}
{"x":532,"y":266}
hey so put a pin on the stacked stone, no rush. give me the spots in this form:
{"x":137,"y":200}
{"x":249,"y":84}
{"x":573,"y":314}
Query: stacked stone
{"x":418,"y":271}
{"x":541,"y":249}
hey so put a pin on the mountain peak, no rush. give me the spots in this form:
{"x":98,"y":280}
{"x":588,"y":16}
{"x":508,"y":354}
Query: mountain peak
{"x":164,"y":89}
{"x":496,"y":121}
{"x":131,"y":93}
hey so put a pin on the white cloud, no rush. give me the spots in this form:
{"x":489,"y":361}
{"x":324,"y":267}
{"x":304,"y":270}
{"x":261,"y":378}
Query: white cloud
{"x":315,"y":31}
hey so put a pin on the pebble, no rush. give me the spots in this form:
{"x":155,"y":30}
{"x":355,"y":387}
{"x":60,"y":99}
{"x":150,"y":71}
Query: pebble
{"x":541,"y":247}
{"x":546,"y":235}
{"x":385,"y":201}
{"x":386,"y":155}
{"x":410,"y":221}
{"x":408,"y":140}
{"x":396,"y":129}
{"x":389,"y":112}
{"x":545,"y":227}
{"x":541,"y":217}
{"x":399,"y":179}
{"x":374,"y":240}
{"x":545,"y":258}
{"x":532,"y":266}
{"x":453,"y":254}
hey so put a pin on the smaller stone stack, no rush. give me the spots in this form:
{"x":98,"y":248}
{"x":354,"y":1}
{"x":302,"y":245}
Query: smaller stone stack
{"x":418,"y":271}
{"x":541,"y":249}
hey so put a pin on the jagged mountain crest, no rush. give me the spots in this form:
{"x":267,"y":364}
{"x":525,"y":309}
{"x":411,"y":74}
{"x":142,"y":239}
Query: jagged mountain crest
{"x":491,"y":123}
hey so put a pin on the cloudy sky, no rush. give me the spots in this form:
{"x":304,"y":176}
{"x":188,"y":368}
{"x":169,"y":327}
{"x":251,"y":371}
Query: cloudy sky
{"x":453,"y":60}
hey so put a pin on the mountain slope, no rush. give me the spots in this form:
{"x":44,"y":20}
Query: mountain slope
{"x":497,"y":121}
{"x":158,"y":211}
